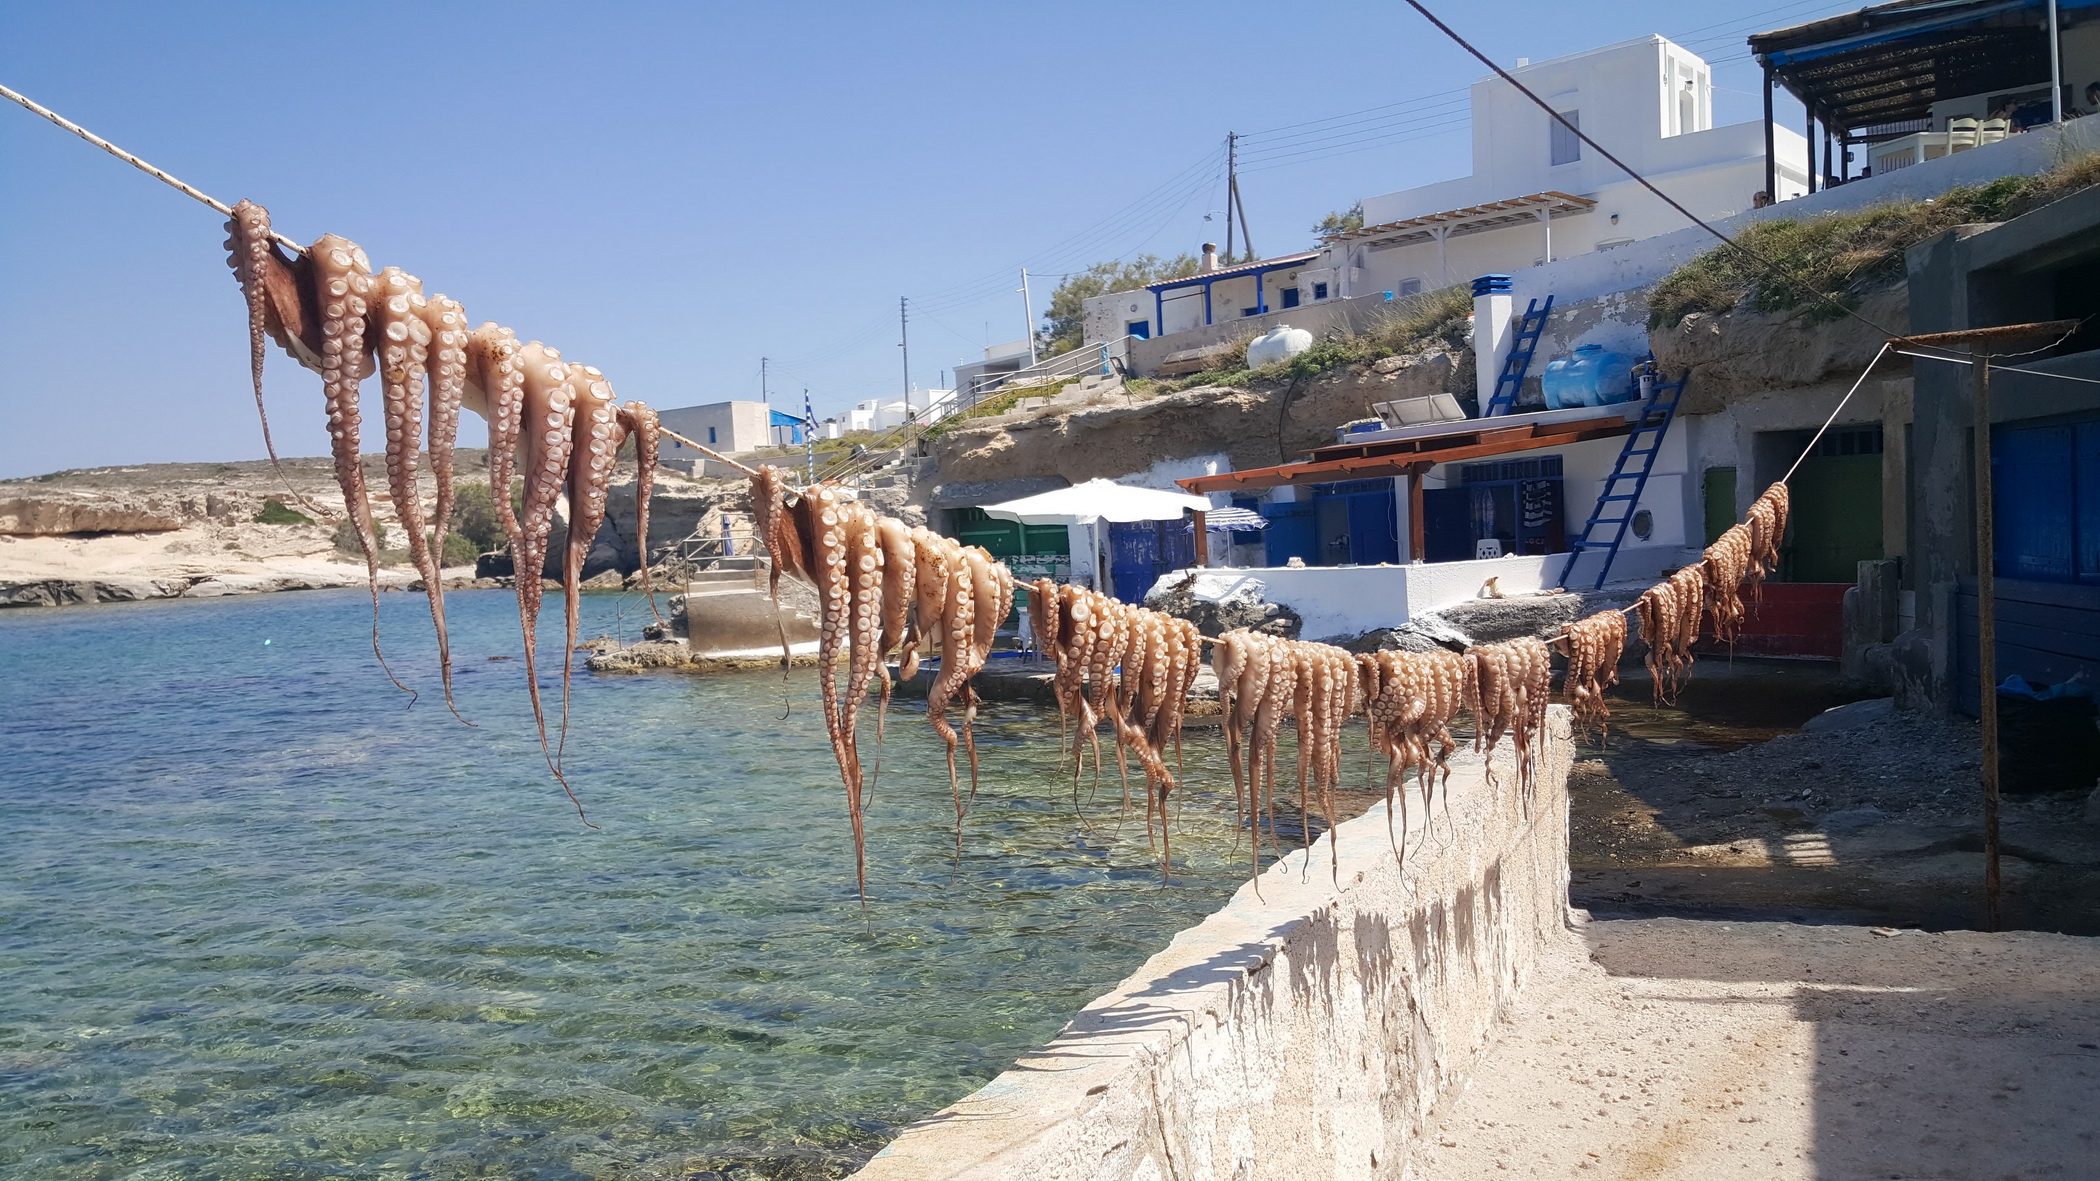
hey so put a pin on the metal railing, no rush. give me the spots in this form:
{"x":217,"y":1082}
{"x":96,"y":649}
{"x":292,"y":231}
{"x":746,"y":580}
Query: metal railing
{"x":893,"y":446}
{"x":706,"y":547}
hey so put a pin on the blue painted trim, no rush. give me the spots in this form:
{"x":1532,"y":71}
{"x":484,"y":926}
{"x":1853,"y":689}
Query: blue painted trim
{"x":1491,"y":285}
{"x":1261,"y":303}
{"x":1897,"y":33}
{"x":1206,"y":305}
{"x":1159,"y":310}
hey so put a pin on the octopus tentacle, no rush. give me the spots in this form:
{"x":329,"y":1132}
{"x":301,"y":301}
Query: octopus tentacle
{"x":958,"y":628}
{"x":598,"y":436}
{"x":818,"y":519}
{"x":493,"y":357}
{"x":343,"y":283}
{"x":639,"y":420}
{"x":900,"y":569}
{"x":447,"y":322}
{"x":253,"y":252}
{"x":549,"y":429}
{"x":992,"y":596}
{"x":404,"y":355}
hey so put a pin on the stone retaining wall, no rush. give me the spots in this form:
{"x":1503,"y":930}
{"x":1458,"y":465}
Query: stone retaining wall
{"x":1302,"y":1031}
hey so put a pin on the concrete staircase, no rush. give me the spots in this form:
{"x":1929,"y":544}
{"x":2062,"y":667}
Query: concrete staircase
{"x":728,"y":611}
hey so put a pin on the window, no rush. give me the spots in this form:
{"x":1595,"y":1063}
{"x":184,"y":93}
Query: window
{"x":1142,"y":329}
{"x":1410,"y":287}
{"x":1566,"y":148}
{"x":711,"y":436}
{"x":1319,"y":291}
{"x":1290,"y":297}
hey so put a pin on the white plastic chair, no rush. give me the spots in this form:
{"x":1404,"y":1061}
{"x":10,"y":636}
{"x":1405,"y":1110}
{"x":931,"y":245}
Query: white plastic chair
{"x":1487,"y":547}
{"x":1961,"y":135}
{"x":1990,"y":131}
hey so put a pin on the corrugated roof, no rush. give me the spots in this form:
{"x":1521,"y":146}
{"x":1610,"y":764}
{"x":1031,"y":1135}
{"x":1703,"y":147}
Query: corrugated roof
{"x":1470,"y":219}
{"x":1887,"y":64}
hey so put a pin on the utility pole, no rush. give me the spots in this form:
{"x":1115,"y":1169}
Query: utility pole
{"x":904,"y":342}
{"x":1028,"y":316}
{"x":1232,"y":199}
{"x":763,"y":392}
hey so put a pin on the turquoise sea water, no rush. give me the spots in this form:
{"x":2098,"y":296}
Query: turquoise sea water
{"x":261,"y":919}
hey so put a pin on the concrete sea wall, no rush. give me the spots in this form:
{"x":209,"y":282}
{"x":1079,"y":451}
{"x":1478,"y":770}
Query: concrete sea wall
{"x":1305,"y":1030}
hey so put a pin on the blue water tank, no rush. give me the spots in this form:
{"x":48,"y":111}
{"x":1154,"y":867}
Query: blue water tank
{"x":1590,"y":376}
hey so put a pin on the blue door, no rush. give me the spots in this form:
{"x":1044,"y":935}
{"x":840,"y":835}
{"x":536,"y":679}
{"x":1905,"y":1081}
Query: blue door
{"x":1374,"y":529}
{"x":1139,"y":552}
{"x":1292,"y":533}
{"x":1142,"y":329}
{"x":1447,"y":524}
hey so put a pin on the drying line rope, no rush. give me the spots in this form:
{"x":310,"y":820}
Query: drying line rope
{"x":158,"y":174}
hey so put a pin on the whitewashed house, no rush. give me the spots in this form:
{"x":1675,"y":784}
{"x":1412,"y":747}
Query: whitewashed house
{"x":1538,"y":193}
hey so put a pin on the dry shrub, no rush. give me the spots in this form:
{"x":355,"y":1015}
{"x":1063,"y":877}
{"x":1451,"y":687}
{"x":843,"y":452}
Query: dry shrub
{"x":1827,"y":263}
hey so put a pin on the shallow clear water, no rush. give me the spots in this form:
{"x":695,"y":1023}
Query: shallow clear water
{"x":258,"y":919}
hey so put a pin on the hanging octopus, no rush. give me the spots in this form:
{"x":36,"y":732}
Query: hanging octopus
{"x":1724,"y":565}
{"x":1263,"y":680}
{"x":1669,"y":615}
{"x":331,"y":313}
{"x":1593,"y":646}
{"x":1767,"y":522}
{"x":1411,"y":699}
{"x":1516,"y":684}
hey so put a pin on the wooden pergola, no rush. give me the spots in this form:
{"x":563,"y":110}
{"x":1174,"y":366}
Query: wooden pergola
{"x":1412,"y":458}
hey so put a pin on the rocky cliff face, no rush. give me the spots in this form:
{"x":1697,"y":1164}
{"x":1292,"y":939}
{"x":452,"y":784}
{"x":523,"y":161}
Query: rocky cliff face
{"x":1735,"y":354}
{"x":1257,"y":427}
{"x":45,"y":514}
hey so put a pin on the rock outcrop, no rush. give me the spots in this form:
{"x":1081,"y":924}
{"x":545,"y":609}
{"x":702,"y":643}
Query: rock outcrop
{"x":1256,"y":427}
{"x":1744,"y":352}
{"x":44,"y":514}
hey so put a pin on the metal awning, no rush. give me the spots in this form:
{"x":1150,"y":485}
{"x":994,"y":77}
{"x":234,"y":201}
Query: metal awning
{"x":1472,"y":219}
{"x":1413,"y":456}
{"x":1886,"y":65}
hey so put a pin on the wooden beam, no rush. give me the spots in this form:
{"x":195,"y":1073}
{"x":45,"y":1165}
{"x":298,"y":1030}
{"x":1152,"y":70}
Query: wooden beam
{"x":1417,"y":528}
{"x":1396,"y":465}
{"x":2008,"y":332}
{"x":1202,"y":539}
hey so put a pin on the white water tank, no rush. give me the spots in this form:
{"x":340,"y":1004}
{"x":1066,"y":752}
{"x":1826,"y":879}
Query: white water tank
{"x":1277,"y":345}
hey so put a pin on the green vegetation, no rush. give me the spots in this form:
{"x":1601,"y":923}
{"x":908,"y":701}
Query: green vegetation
{"x":1433,"y":319}
{"x":274,"y":512}
{"x":459,"y":550}
{"x":1830,"y":262}
{"x":474,"y":518}
{"x":1067,"y":313}
{"x":1342,"y":221}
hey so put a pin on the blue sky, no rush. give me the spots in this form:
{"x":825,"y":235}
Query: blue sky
{"x":671,"y":191}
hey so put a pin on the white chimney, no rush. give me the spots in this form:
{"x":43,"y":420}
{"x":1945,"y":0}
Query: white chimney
{"x":1210,"y":256}
{"x":1492,"y":338}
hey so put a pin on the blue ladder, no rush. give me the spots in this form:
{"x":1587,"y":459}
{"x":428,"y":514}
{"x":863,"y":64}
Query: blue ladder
{"x":1518,"y":363}
{"x":1615,"y":508}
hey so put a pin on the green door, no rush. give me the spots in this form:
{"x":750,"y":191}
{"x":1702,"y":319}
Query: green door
{"x":1834,"y":517}
{"x":1719,"y":500}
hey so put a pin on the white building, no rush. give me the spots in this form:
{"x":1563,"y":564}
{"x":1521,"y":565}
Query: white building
{"x":724,"y":426}
{"x":1000,"y":361}
{"x":1538,"y":193}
